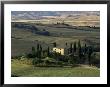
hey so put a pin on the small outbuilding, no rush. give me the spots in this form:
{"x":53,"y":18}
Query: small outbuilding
{"x":59,"y":50}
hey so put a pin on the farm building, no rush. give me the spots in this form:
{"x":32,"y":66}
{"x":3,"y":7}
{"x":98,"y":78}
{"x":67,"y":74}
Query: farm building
{"x":59,"y":50}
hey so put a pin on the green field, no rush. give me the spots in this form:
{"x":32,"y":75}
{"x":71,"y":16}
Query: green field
{"x":22,"y":41}
{"x":27,"y":70}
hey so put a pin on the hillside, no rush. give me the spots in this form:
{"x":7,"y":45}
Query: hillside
{"x":24,"y":38}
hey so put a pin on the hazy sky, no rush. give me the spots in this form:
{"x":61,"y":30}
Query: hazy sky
{"x":53,"y":13}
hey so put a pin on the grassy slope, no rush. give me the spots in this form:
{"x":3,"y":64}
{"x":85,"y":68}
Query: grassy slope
{"x":26,"y":70}
{"x":23,"y":40}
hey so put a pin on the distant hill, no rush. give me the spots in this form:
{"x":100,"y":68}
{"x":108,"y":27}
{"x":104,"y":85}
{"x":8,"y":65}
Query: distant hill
{"x":39,"y":14}
{"x":74,"y":18}
{"x":31,"y":28}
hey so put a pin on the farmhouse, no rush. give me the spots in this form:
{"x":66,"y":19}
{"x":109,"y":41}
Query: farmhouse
{"x":59,"y":50}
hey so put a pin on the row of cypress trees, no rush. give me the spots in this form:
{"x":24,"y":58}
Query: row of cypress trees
{"x":77,"y":54}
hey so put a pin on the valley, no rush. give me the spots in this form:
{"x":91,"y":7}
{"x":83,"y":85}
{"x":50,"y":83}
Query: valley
{"x":55,"y":44}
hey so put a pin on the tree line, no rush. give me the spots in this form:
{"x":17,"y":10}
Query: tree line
{"x":74,"y":53}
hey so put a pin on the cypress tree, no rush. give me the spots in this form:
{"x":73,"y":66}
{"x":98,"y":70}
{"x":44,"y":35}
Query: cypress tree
{"x":37,"y":47}
{"x":79,"y":51}
{"x":54,"y":44}
{"x":70,"y":47}
{"x":85,"y":49}
{"x":66,"y":44}
{"x":40,"y":48}
{"x":90,"y":51}
{"x":48,"y":51}
{"x":33,"y":51}
{"x":79,"y":44}
{"x":40,"y":51}
{"x":74,"y":46}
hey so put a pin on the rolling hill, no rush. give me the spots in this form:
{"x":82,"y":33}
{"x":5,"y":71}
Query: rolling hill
{"x":24,"y":38}
{"x":74,"y":18}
